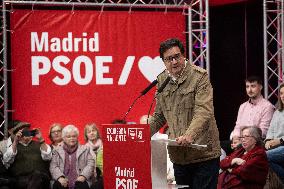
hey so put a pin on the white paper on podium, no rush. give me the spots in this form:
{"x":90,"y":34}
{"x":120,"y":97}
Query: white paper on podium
{"x":172,"y":142}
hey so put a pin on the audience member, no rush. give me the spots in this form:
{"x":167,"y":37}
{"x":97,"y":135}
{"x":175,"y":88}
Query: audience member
{"x":274,"y":141}
{"x":5,"y":143}
{"x":247,"y":167}
{"x":236,"y":143}
{"x":256,"y":111}
{"x":55,"y":135}
{"x":6,"y":180}
{"x":28,"y":159}
{"x":94,"y":142}
{"x":72,"y":165}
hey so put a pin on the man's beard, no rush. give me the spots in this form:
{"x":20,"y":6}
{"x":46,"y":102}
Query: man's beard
{"x":253,"y":97}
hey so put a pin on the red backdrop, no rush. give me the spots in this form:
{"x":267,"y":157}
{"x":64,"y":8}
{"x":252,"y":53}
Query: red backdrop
{"x":86,"y":66}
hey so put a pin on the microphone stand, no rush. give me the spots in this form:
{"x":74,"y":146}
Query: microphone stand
{"x":148,"y":115}
{"x":131,"y":107}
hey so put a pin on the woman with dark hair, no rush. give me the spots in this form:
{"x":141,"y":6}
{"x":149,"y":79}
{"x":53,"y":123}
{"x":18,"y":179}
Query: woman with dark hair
{"x":55,"y":135}
{"x":246,"y":167}
{"x":274,"y":141}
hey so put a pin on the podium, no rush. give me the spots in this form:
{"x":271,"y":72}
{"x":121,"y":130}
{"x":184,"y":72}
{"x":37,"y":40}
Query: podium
{"x":127,"y":158}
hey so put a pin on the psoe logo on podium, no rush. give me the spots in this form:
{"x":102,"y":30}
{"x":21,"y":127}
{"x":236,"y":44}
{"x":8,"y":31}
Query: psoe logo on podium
{"x":122,"y":134}
{"x":136,"y":134}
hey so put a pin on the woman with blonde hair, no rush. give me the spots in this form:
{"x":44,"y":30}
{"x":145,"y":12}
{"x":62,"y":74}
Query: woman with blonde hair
{"x":92,"y":137}
{"x":274,"y":142}
{"x":94,"y":142}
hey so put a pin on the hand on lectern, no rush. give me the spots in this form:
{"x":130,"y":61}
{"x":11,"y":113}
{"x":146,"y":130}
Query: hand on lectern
{"x":184,"y":140}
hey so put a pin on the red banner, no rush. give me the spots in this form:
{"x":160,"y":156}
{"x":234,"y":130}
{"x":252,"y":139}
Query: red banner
{"x":127,"y":157}
{"x":85,"y":66}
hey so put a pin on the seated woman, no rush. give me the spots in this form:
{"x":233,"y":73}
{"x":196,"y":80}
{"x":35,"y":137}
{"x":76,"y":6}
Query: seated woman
{"x":94,"y":142}
{"x":236,"y":143}
{"x":246,"y":167}
{"x":274,"y":141}
{"x":55,"y":135}
{"x":72,"y":165}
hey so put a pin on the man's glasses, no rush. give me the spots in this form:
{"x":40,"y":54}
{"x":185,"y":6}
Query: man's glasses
{"x":171,"y":58}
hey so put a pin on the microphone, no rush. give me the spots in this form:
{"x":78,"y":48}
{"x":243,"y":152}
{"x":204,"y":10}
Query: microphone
{"x":164,"y":84}
{"x":150,"y":86}
{"x":141,"y":94}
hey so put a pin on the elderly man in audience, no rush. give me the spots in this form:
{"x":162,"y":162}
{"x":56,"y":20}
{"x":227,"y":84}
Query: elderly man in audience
{"x":274,"y":141}
{"x":28,"y":159}
{"x":246,"y":167}
{"x":72,"y":165}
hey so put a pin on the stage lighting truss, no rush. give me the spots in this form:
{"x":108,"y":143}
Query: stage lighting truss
{"x":273,"y":21}
{"x":197,"y":33}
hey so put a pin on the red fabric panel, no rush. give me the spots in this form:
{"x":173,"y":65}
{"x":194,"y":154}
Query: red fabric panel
{"x":92,"y":89}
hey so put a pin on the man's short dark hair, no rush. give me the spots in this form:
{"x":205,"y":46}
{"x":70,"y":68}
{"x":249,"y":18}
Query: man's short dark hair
{"x":169,"y":43}
{"x":254,"y":79}
{"x":118,"y":121}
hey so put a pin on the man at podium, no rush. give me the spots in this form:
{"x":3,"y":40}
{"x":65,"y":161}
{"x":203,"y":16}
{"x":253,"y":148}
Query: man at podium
{"x":186,"y":105}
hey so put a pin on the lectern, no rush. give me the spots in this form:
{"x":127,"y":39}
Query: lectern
{"x":127,"y":158}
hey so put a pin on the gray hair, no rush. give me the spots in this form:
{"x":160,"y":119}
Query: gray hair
{"x":68,"y":129}
{"x":255,"y":132}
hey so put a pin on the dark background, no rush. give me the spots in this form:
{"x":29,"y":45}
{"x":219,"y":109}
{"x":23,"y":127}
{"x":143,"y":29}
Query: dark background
{"x":236,"y":51}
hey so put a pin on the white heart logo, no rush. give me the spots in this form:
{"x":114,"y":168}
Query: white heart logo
{"x":151,"y":68}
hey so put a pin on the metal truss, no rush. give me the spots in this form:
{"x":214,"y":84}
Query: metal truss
{"x":273,"y":26}
{"x":198,"y":30}
{"x":2,"y":81}
{"x":197,"y":33}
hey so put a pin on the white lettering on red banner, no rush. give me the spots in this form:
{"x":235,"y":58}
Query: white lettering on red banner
{"x":125,"y":178}
{"x":42,"y":65}
{"x":124,"y":135}
{"x":66,"y":44}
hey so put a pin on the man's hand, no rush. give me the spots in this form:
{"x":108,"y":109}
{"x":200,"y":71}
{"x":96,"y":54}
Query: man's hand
{"x":81,"y":179}
{"x":63,"y":181}
{"x":18,"y":136}
{"x":16,"y":140}
{"x":238,"y":161}
{"x":184,"y":140}
{"x":271,"y":143}
{"x":38,"y":134}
